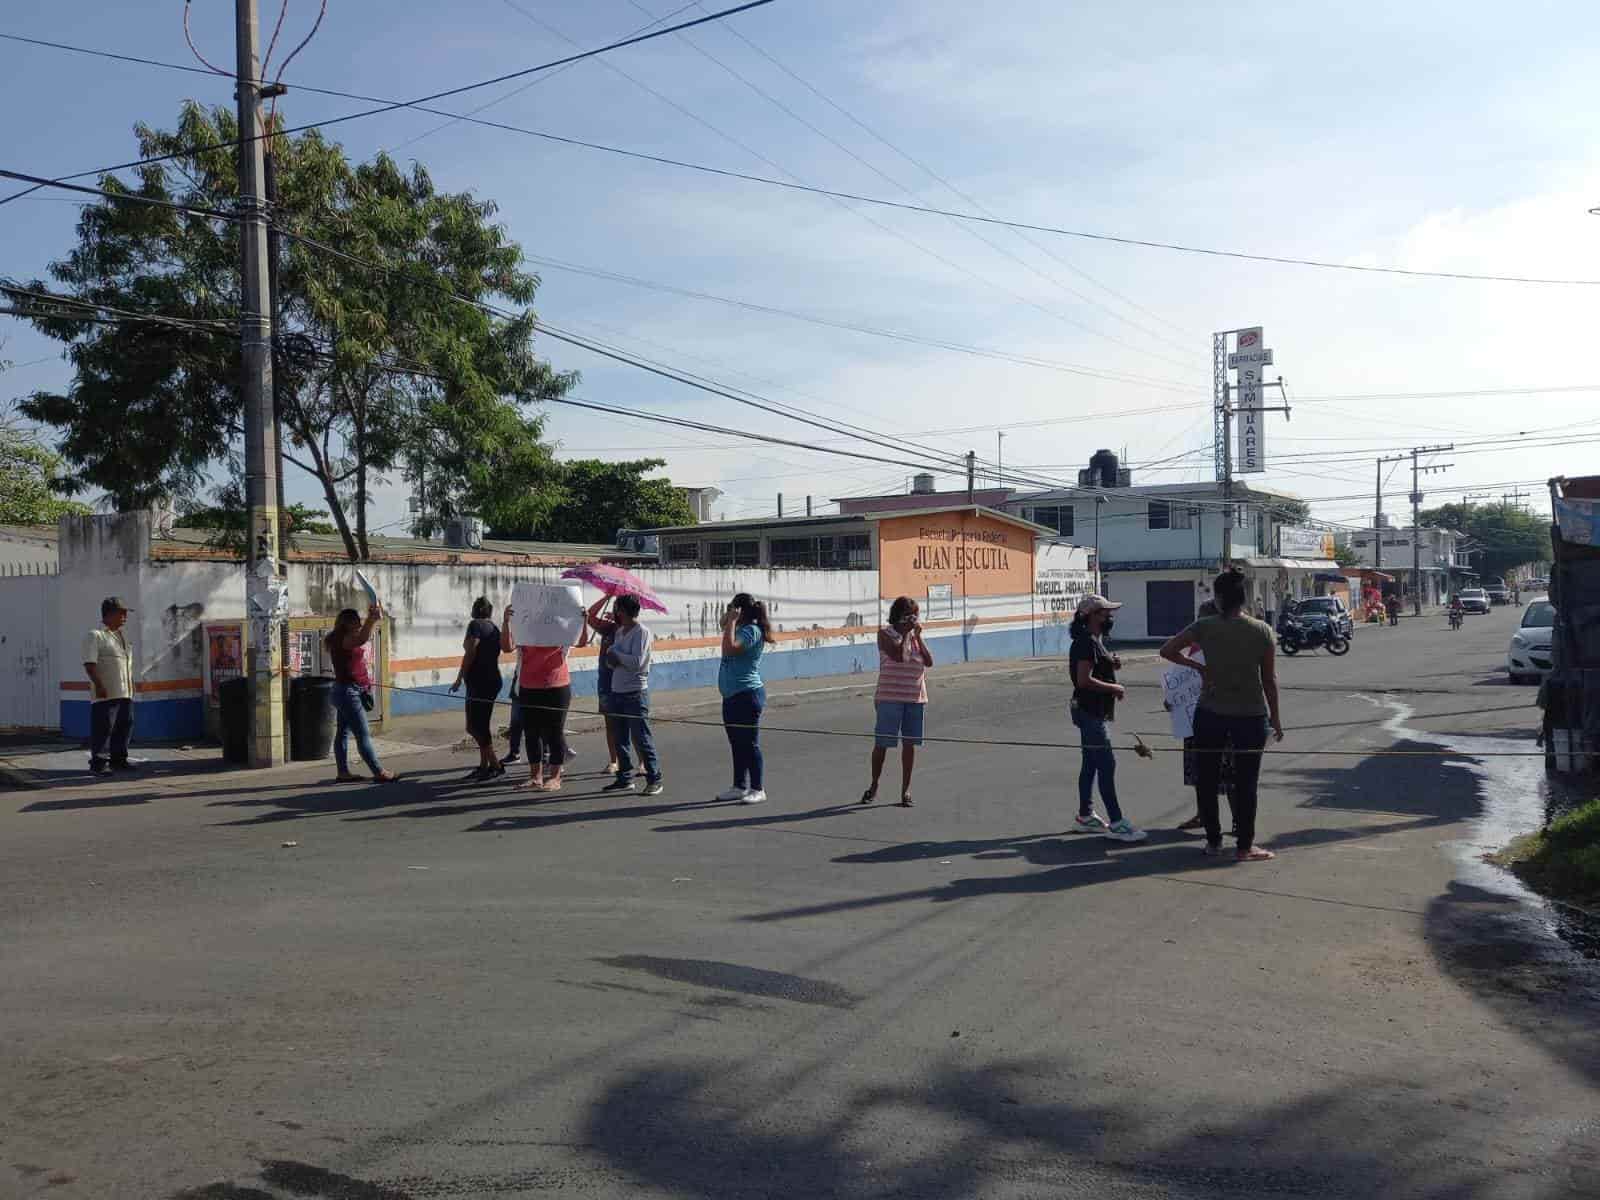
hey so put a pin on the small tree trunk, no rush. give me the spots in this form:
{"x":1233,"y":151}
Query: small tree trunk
{"x":331,"y":494}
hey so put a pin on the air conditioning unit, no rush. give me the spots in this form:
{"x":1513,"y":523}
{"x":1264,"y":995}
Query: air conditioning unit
{"x":464,"y":533}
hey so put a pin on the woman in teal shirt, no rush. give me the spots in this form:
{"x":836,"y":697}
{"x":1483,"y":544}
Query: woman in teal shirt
{"x":746,"y":634}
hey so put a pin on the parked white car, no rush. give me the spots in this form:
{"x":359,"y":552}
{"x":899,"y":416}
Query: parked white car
{"x":1528,"y":658}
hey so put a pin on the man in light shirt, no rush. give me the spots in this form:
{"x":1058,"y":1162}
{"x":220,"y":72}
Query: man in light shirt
{"x":108,"y":661}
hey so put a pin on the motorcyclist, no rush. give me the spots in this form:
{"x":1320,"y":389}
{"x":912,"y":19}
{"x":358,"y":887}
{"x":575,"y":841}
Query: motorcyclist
{"x":1457,"y":611}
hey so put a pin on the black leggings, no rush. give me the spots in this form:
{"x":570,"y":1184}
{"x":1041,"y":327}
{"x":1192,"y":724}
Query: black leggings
{"x":1212,"y":733}
{"x":544,"y":723}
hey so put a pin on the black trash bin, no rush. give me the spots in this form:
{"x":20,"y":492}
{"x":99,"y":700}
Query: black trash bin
{"x":311,"y":717}
{"x":234,"y":696}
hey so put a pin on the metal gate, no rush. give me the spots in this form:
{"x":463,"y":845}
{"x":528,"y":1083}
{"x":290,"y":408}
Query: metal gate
{"x":30,"y":676}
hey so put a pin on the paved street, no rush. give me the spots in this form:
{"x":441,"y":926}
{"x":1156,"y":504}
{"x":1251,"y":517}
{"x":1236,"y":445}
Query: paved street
{"x":442,"y":990}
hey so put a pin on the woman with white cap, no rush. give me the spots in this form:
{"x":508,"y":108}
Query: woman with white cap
{"x":1095,"y":692}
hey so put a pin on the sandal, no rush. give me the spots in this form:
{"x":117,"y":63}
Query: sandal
{"x":385,"y":777}
{"x":532,"y":785}
{"x":1254,"y":854}
{"x":869,"y":795}
{"x":905,"y":800}
{"x":1194,"y":823}
{"x":552,"y":785}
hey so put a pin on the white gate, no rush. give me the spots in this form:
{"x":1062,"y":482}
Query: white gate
{"x":30,"y":676}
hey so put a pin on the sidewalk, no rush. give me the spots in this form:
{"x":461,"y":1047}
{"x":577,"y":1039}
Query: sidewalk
{"x":43,"y":762}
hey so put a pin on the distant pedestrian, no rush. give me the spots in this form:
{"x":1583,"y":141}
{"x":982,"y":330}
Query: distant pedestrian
{"x":545,"y":696}
{"x":108,"y":662}
{"x":352,"y":691}
{"x":629,"y":657}
{"x":746,"y":634}
{"x":1238,"y":700}
{"x":480,"y":671}
{"x":1095,"y":692}
{"x":902,"y":695}
{"x":603,"y":625}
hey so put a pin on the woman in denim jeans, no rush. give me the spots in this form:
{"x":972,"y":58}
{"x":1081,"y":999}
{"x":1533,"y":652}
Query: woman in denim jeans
{"x":344,"y":648}
{"x":1095,"y":692}
{"x":1238,"y":701}
{"x":746,"y":634}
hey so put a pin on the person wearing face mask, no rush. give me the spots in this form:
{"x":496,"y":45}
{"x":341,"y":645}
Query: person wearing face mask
{"x":1095,"y":692}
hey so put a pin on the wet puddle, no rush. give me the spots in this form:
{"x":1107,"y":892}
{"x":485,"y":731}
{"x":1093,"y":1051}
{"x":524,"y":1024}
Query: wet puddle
{"x":1514,"y":794}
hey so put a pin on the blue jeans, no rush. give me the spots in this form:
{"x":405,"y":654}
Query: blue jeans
{"x":741,"y":714}
{"x":1098,"y":760}
{"x":352,"y":719}
{"x":632,"y":712}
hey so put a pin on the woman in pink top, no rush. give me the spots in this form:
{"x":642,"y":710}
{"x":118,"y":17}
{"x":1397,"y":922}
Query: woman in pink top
{"x":545,"y":696}
{"x":902,"y":695}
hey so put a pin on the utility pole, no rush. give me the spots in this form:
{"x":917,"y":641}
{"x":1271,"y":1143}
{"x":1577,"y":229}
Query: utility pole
{"x":265,"y":595}
{"x":274,"y":249}
{"x":999,"y":457}
{"x":1377,"y":513}
{"x":1516,"y":498}
{"x":1416,"y":517}
{"x":972,"y":469}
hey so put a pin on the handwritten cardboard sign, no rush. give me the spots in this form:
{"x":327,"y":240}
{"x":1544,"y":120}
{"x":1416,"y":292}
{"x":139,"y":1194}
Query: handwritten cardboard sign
{"x":546,"y":614}
{"x":1181,"y":691}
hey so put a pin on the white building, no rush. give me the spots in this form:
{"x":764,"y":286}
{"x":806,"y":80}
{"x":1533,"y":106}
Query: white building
{"x":1390,"y":550}
{"x":1160,"y":547}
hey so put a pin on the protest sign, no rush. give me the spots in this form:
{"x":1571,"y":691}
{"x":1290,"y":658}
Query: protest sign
{"x":1181,"y":692}
{"x":546,"y":614}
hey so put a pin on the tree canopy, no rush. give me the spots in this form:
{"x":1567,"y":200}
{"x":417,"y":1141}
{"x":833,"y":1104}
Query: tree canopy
{"x":30,"y":477}
{"x":377,"y":370}
{"x":1508,"y":536}
{"x":595,"y":499}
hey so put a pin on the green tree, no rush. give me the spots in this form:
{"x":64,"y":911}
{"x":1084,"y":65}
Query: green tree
{"x":30,"y":477}
{"x":1345,"y":556}
{"x":1508,"y":537}
{"x":377,"y":370}
{"x":598,"y":498}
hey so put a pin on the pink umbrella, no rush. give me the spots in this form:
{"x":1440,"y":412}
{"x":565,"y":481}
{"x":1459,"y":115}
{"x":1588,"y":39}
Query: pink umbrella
{"x":614,"y":581}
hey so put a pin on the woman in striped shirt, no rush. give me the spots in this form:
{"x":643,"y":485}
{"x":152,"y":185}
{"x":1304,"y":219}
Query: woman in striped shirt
{"x":902,"y":695}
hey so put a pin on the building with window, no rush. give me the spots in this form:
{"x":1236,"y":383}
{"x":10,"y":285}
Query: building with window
{"x":1160,"y":547}
{"x":1390,"y":550}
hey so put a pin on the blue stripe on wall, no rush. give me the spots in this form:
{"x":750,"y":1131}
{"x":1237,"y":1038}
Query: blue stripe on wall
{"x":154,"y":720}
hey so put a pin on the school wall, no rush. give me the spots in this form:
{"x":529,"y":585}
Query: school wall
{"x":827,"y":621}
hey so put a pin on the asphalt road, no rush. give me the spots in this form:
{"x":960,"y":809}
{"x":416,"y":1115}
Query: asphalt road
{"x":448,"y":991}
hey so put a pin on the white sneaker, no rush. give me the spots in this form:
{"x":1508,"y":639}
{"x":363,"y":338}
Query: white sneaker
{"x":754,"y":796}
{"x":1090,"y":824}
{"x":571,"y":754}
{"x":733,"y":793}
{"x":1123,"y":831}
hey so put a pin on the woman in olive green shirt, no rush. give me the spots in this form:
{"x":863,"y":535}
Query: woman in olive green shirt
{"x":1238,"y":700}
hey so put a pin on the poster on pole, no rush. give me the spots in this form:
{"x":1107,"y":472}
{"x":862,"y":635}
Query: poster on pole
{"x":546,"y":614}
{"x":1181,"y":696}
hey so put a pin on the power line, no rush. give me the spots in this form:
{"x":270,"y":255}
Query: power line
{"x":391,"y":105}
{"x":422,"y":104}
{"x":763,"y":157}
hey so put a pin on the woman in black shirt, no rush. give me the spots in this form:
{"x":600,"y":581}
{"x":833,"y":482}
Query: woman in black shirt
{"x":1095,"y":692}
{"x":480,"y":671}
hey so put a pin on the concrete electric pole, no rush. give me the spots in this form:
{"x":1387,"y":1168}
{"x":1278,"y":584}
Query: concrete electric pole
{"x":265,"y":595}
{"x":1416,"y":518}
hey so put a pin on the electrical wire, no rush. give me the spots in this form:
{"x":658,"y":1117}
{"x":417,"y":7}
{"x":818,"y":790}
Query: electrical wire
{"x":421,"y":104}
{"x":211,"y":68}
{"x":766,"y":159}
{"x":392,"y":105}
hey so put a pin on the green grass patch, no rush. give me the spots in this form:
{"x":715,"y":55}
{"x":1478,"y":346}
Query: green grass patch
{"x":1562,"y":861}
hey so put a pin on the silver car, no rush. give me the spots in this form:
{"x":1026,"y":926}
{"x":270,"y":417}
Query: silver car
{"x":1528,"y":658}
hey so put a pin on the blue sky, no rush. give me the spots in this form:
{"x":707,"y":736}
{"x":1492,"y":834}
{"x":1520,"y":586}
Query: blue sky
{"x":1426,"y":135}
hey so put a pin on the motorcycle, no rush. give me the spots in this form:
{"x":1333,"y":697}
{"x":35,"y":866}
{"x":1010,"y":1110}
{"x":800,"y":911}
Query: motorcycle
{"x":1455,"y":618}
{"x":1301,"y":635}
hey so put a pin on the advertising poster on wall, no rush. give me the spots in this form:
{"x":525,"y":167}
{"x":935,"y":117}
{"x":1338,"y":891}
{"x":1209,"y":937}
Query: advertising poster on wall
{"x":224,"y":656}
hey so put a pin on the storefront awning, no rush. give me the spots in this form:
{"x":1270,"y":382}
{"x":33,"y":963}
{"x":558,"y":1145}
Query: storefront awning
{"x":1292,"y":564}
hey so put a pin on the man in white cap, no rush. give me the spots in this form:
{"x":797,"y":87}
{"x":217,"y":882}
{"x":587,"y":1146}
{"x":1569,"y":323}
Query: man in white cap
{"x":1095,"y":692}
{"x":109,"y":664}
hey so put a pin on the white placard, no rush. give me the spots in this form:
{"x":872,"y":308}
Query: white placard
{"x":546,"y":614}
{"x":1250,"y":358}
{"x":1181,"y":691}
{"x":1250,"y":457}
